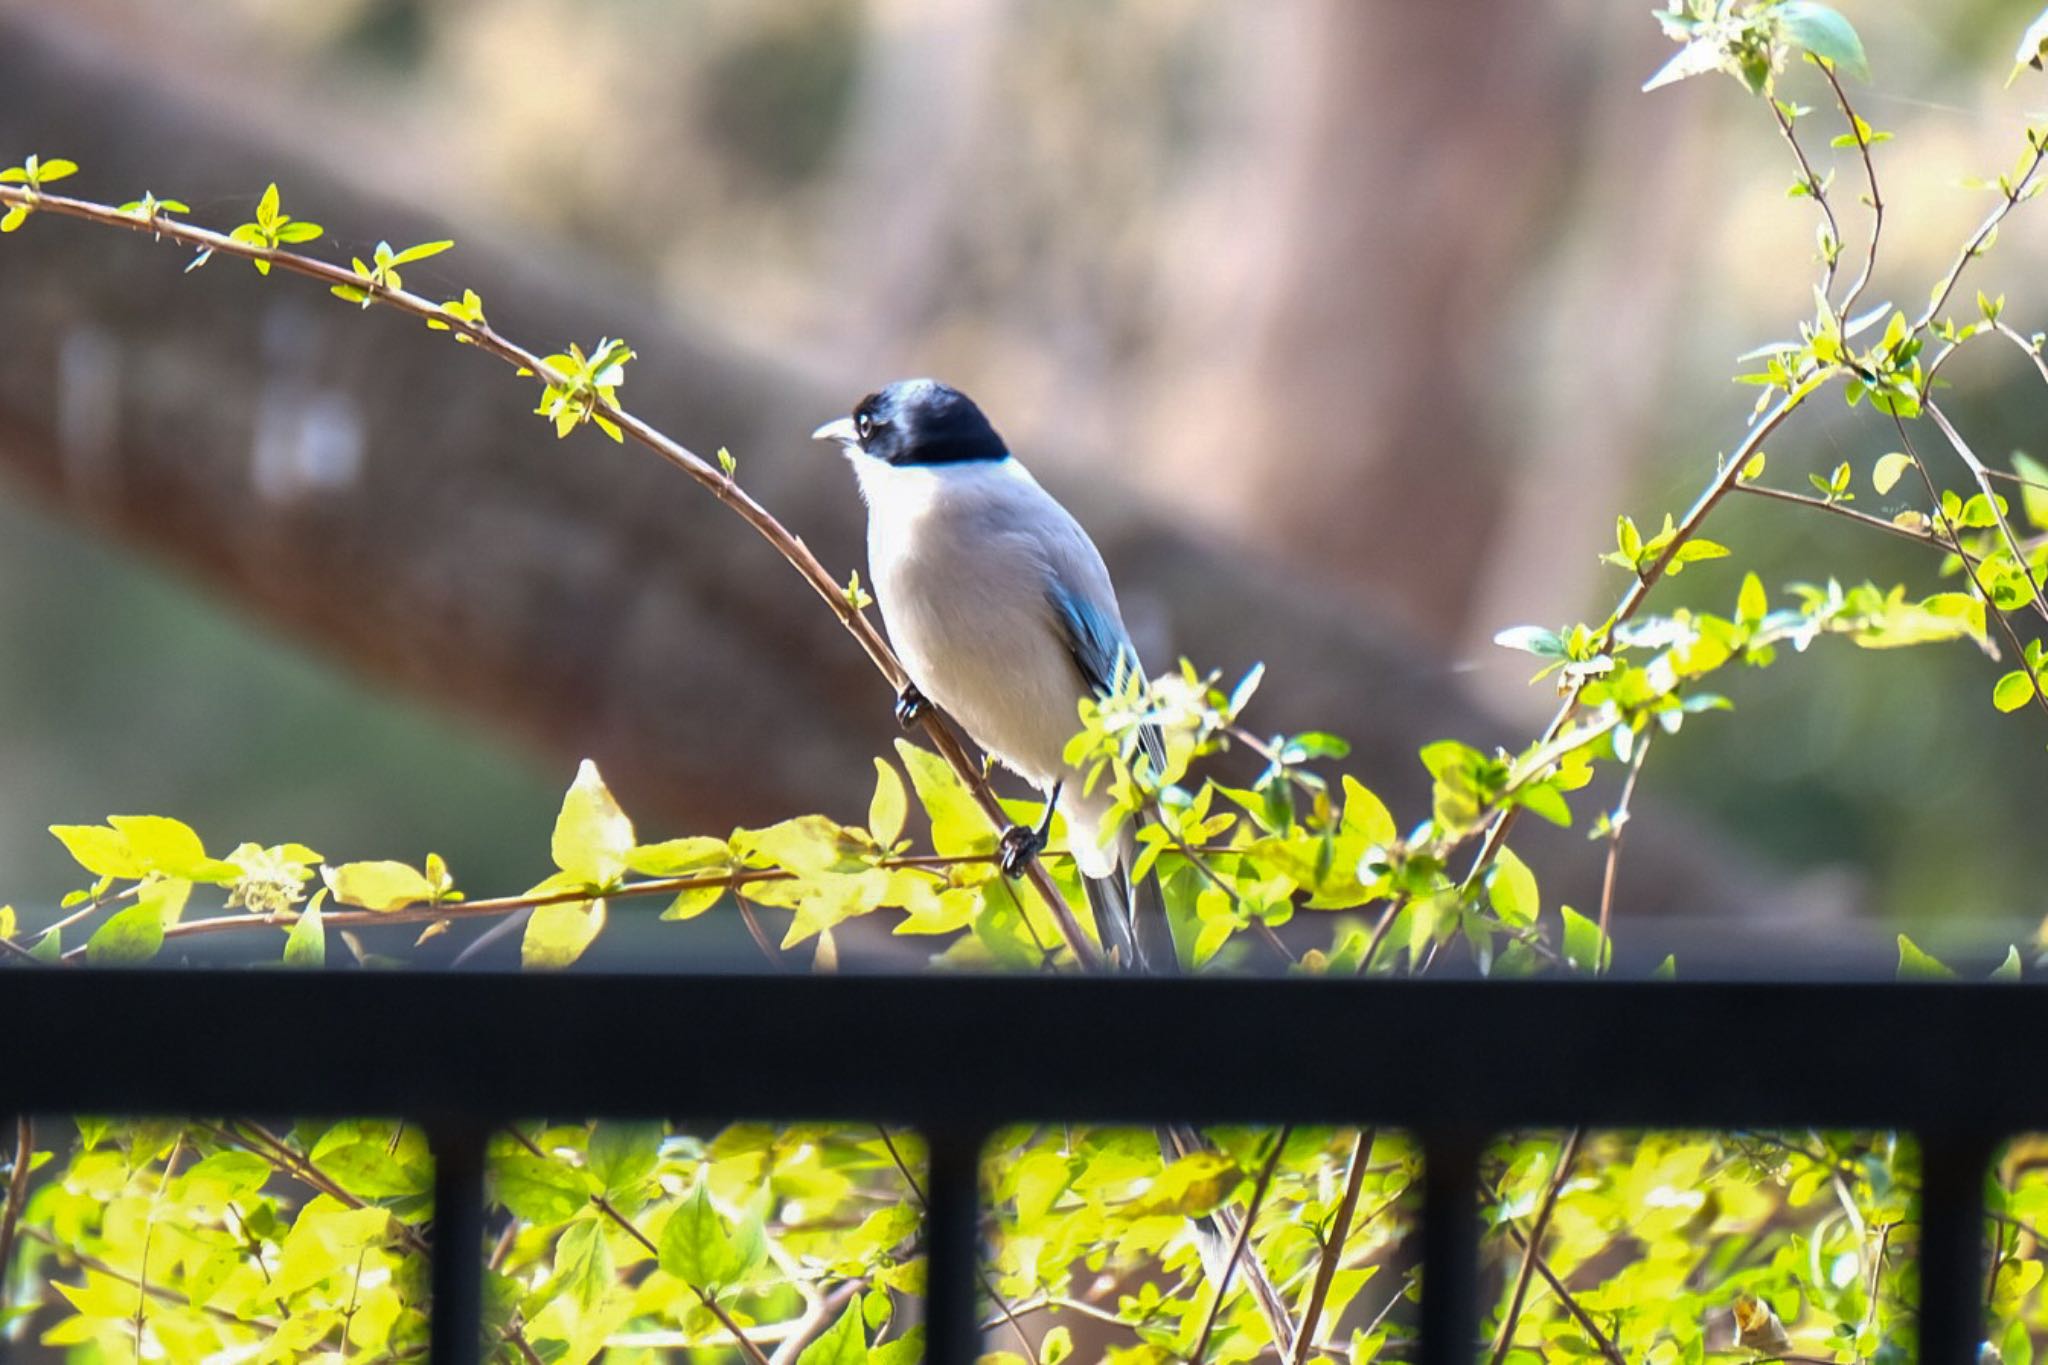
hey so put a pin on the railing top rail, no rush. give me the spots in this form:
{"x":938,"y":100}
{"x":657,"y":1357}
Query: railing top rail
{"x":966,"y":1052}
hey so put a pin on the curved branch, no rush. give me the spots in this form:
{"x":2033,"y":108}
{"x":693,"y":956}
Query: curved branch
{"x":716,"y":481}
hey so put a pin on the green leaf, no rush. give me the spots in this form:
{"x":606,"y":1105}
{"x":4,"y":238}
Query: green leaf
{"x":888,"y":806}
{"x":2013,"y":691}
{"x":2009,"y":969}
{"x":1824,"y":33}
{"x":379,"y":885}
{"x":1888,"y":469}
{"x":1533,"y":640}
{"x":541,"y":1192}
{"x":306,"y":944}
{"x":959,"y":829}
{"x":1917,"y":964}
{"x":622,"y":1155}
{"x":592,"y":837}
{"x":1585,"y":947}
{"x":1511,"y":889}
{"x":699,"y":1248}
{"x":907,"y":1349}
{"x":557,"y":934}
{"x":675,"y":857}
{"x":843,"y":1343}
{"x":583,"y":1264}
{"x":1058,"y":1346}
{"x":134,"y":935}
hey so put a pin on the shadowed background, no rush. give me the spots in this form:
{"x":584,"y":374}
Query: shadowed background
{"x":1347,"y":329}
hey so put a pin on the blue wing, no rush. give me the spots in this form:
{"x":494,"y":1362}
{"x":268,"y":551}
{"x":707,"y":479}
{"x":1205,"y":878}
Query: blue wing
{"x":1103,"y":655}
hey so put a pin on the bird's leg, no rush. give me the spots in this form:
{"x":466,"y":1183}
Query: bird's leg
{"x":1021,"y":843}
{"x":910,"y":705}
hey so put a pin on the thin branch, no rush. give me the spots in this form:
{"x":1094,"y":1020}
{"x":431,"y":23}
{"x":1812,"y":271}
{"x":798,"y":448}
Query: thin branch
{"x":1567,"y":1155}
{"x":94,"y":1263}
{"x":1617,"y":826}
{"x":17,"y":1195}
{"x":1992,"y":613}
{"x":505,"y":905}
{"x":149,"y":1239}
{"x":1632,"y":599}
{"x":755,"y":932}
{"x":1983,"y":478}
{"x":254,"y":1137}
{"x":2012,"y":195}
{"x":1837,"y":509}
{"x":1601,"y":1341}
{"x":1816,"y":189}
{"x":1876,"y":200}
{"x":2033,"y":353}
{"x":714,"y":480}
{"x":1332,"y":1253}
{"x":1237,"y":1244}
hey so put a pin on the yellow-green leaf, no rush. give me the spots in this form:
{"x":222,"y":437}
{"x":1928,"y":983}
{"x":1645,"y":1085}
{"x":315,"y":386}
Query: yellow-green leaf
{"x":674,"y":857}
{"x":1888,"y":471}
{"x":99,"y":850}
{"x":959,"y":828}
{"x":1916,"y":963}
{"x":171,"y":847}
{"x":888,"y":806}
{"x":592,"y":835}
{"x":1192,"y":1186}
{"x":557,"y":934}
{"x":693,"y":902}
{"x":306,"y":944}
{"x":380,"y":885}
{"x":2013,"y":691}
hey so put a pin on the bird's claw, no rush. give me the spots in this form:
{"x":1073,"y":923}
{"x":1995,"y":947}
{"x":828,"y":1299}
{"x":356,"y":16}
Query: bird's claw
{"x":910,"y":706}
{"x":1018,"y":846}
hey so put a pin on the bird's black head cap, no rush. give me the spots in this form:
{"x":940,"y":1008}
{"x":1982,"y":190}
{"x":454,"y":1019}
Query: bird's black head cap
{"x":924,"y":422}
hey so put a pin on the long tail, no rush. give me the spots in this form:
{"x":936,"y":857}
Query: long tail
{"x":1110,"y":898}
{"x":1131,"y":919}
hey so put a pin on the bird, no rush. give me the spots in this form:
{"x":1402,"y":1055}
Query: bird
{"x":1003,"y":614}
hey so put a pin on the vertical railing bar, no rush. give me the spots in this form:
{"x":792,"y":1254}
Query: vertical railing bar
{"x":1952,"y":1245}
{"x":1450,"y":1248}
{"x":456,"y":1315}
{"x":953,"y":1236}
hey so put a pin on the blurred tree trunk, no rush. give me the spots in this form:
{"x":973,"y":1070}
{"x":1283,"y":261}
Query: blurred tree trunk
{"x":387,"y":497}
{"x":1406,"y":149}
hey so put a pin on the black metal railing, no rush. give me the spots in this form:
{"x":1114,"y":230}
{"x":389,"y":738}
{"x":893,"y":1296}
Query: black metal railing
{"x":1454,"y":1062}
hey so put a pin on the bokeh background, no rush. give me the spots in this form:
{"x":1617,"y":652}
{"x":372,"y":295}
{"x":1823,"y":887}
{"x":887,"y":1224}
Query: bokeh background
{"x":1348,"y":327}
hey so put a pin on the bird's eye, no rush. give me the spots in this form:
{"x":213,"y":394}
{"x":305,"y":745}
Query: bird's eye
{"x":864,"y":425}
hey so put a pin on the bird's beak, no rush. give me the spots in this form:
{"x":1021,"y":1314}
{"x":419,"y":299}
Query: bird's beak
{"x":842,"y":431}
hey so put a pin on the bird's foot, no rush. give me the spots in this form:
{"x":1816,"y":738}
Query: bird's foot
{"x":910,"y":706}
{"x":1018,"y":846}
